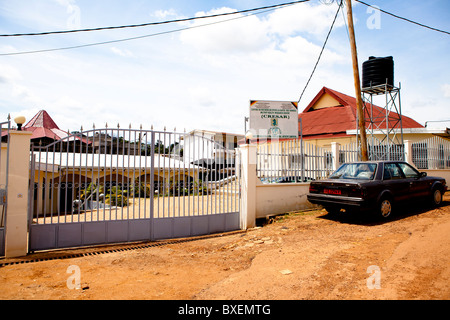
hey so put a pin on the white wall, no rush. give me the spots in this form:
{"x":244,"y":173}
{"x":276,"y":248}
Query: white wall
{"x":444,"y":173}
{"x":260,"y":200}
{"x":279,"y":198}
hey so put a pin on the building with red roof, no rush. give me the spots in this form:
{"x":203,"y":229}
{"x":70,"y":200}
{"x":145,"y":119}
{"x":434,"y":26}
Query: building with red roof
{"x":45,"y":130}
{"x":332,"y":115}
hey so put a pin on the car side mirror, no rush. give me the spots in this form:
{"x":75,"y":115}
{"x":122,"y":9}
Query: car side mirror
{"x":423,"y":174}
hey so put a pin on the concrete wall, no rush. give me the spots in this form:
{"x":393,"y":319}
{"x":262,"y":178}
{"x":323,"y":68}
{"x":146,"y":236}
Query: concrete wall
{"x":279,"y":198}
{"x":260,"y":200}
{"x":444,"y":173}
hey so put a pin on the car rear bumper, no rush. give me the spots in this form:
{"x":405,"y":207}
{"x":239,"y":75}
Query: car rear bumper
{"x":338,"y":201}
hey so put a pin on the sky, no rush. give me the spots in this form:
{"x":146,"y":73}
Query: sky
{"x":186,"y":76}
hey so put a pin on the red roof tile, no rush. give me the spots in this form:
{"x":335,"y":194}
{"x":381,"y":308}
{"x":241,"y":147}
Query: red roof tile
{"x":334,"y":121}
{"x":43,"y":126}
{"x":43,"y":120}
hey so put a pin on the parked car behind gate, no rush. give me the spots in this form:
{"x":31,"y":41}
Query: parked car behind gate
{"x":377,"y":186}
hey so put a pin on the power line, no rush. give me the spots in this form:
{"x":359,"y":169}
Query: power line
{"x":152,"y":23}
{"x":144,"y":36}
{"x":321,"y":51}
{"x":402,"y":18}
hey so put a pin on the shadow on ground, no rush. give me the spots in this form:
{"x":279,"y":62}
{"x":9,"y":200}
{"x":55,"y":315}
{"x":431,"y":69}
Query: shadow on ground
{"x":370,"y":218}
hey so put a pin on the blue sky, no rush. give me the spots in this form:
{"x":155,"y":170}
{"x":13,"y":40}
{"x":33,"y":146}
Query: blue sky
{"x":204,"y":78}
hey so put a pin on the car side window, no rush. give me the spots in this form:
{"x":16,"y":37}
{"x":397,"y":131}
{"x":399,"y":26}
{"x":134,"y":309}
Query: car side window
{"x":392,"y":171}
{"x":386,"y":173}
{"x":409,"y":171}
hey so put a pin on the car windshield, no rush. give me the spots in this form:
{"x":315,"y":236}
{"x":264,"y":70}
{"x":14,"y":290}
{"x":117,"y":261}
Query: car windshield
{"x":362,"y":171}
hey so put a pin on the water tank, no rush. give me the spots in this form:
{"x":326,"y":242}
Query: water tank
{"x":376,"y":71}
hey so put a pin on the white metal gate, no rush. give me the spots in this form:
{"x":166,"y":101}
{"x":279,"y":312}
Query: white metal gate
{"x":122,"y":185}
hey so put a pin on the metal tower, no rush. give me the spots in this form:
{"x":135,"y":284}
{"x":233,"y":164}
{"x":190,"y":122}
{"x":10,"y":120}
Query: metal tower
{"x":383,"y":122}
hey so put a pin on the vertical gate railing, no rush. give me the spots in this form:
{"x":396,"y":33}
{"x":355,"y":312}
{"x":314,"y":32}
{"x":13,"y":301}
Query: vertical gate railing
{"x":294,"y":160}
{"x":431,"y":153}
{"x":4,"y":166}
{"x":136,"y":184}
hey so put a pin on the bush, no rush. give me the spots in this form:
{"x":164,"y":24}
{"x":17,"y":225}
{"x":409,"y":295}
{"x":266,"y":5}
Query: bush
{"x":185,"y":188}
{"x":115,"y":197}
{"x":198,"y":188}
{"x":140,"y":190}
{"x":91,"y":190}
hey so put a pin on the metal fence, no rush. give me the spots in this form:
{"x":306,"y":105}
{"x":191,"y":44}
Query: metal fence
{"x":349,"y":153}
{"x":298,"y":161}
{"x":386,"y":151}
{"x":292,"y":161}
{"x":117,"y":185}
{"x":432,"y":153}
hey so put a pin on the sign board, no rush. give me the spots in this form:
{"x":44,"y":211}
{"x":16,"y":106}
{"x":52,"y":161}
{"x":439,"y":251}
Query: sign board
{"x":274,"y":119}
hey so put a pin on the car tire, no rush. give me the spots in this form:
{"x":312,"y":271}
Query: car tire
{"x":385,"y":207}
{"x":436,"y":197}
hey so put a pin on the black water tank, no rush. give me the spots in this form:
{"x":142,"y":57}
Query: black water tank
{"x":376,"y":71}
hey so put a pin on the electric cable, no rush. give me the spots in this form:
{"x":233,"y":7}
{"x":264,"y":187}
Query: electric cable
{"x":402,"y":18}
{"x":152,"y":23}
{"x":148,"y":35}
{"x":321,"y":51}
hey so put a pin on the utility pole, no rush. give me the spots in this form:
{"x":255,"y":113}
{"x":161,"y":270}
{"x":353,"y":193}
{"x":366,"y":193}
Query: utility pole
{"x":359,"y":102}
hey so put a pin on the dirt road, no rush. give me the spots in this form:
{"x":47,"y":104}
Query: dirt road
{"x":301,"y":255}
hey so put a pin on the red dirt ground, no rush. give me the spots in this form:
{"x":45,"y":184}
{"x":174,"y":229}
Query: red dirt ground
{"x":300,"y":255}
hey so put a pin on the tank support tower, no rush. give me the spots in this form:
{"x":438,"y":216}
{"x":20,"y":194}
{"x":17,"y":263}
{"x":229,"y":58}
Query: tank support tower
{"x":383,"y":122}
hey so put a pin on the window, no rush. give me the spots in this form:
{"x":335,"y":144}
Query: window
{"x":363,"y":171}
{"x":392,"y":171}
{"x":408,"y":171}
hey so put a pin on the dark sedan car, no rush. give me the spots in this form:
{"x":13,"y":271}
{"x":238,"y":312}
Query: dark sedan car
{"x":375,"y":186}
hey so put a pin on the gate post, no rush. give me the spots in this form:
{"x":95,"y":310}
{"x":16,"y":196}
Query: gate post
{"x":248,"y":186}
{"x":408,"y":152}
{"x":335,"y":147}
{"x":16,"y":237}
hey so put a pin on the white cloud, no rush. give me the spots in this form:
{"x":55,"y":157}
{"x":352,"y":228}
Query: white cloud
{"x":254,"y":33}
{"x":200,"y":78}
{"x":12,"y":82}
{"x":65,"y":3}
{"x":297,"y":52}
{"x":280,"y":34}
{"x":202,"y":96}
{"x":43,"y":15}
{"x":241,"y":35}
{"x":122,"y":52}
{"x":162,"y":14}
{"x":9,"y":74}
{"x":302,"y":18}
{"x":446,"y":89}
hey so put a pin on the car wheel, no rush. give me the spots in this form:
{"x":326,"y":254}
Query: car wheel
{"x":436,"y":199}
{"x":385,"y":208}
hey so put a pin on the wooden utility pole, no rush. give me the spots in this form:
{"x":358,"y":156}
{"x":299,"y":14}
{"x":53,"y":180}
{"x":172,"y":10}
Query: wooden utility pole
{"x":359,"y":102}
